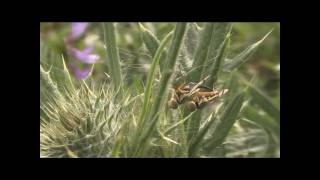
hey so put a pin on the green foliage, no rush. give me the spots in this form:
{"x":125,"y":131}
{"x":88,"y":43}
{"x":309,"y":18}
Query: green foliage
{"x":153,"y":116}
{"x":113,"y":54}
{"x":120,"y":111}
{"x":202,"y":51}
{"x":217,"y":52}
{"x":151,"y":76}
{"x":225,"y":122}
{"x":219,"y":61}
{"x":244,"y":55}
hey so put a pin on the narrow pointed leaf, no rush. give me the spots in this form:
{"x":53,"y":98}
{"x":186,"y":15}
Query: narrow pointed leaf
{"x":152,"y":43}
{"x":163,"y":89}
{"x":151,"y":77}
{"x":244,"y":55}
{"x":223,"y":125}
{"x":113,"y":54}
{"x":265,"y":103}
{"x":202,"y":50}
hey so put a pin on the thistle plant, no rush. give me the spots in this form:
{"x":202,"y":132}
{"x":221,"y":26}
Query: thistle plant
{"x":118,"y":118}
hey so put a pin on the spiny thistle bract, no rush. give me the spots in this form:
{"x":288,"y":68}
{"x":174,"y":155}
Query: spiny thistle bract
{"x":89,"y":119}
{"x":83,"y":123}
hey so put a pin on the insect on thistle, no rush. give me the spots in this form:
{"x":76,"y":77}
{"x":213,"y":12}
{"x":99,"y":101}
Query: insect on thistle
{"x":195,"y":95}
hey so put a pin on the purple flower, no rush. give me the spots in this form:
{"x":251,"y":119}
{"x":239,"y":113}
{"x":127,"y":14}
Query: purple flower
{"x":80,"y":73}
{"x":85,"y":55}
{"x":77,"y":29}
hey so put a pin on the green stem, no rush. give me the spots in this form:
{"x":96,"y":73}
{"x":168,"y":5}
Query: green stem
{"x":113,"y":54}
{"x":163,"y":90}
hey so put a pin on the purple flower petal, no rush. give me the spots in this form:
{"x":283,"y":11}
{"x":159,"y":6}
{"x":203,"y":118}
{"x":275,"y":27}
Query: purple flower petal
{"x":77,"y":29}
{"x":80,"y":73}
{"x":88,"y":50}
{"x":84,"y":55}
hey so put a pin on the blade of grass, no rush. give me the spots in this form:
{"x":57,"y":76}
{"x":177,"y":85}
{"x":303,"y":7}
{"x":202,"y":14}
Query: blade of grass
{"x":170,"y":66}
{"x":149,"y":39}
{"x":193,"y":125}
{"x":163,"y":89}
{"x":244,"y":55}
{"x":202,"y":50}
{"x":265,"y":121}
{"x":167,"y":139}
{"x":265,"y":102}
{"x":195,"y":141}
{"x":52,"y":87}
{"x":191,"y":39}
{"x":199,"y":59}
{"x":151,"y":77}
{"x":174,"y":126}
{"x":220,"y":33}
{"x":219,"y":61}
{"x":223,"y":125}
{"x":113,"y":54}
{"x":67,"y":73}
{"x":185,"y":58}
{"x":116,"y":149}
{"x":152,"y":43}
{"x":195,"y":121}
